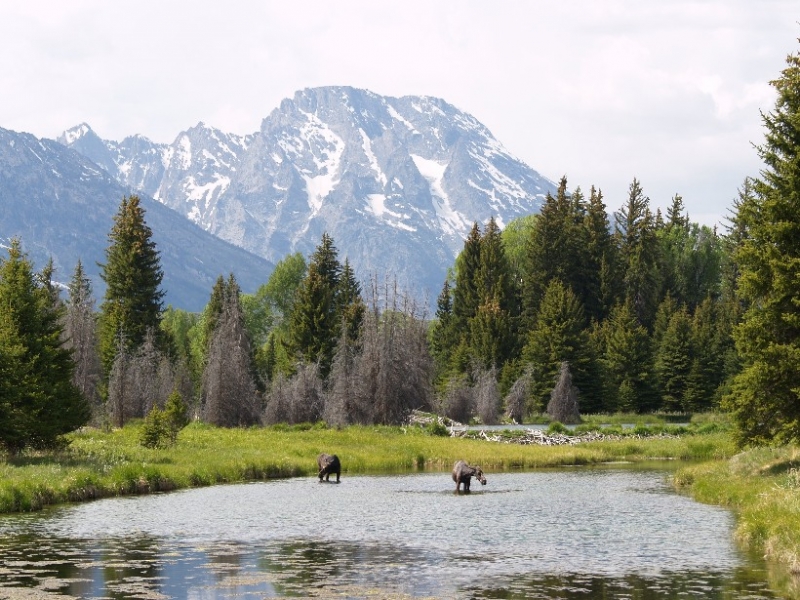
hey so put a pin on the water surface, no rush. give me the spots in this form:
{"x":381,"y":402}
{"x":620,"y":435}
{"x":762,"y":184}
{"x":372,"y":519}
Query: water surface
{"x":580,"y":533}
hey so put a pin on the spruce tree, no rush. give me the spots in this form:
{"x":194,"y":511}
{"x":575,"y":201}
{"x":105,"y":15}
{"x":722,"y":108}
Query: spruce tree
{"x":639,"y":258}
{"x":673,"y":362}
{"x":601,"y":283}
{"x":493,"y":327}
{"x":315,"y":319}
{"x":39,"y":403}
{"x":765,"y":400}
{"x":628,"y":362}
{"x":559,"y":335}
{"x":466,"y":298}
{"x":132,"y":273}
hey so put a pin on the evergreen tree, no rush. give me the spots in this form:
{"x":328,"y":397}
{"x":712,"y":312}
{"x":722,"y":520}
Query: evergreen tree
{"x":765,"y":400}
{"x":559,"y":335}
{"x":351,"y":304}
{"x":132,"y":272}
{"x":443,"y":337}
{"x":39,"y":402}
{"x":314,"y":327}
{"x":710,"y":342}
{"x":628,"y":362}
{"x":673,"y":362}
{"x":556,"y":250}
{"x":466,"y":298}
{"x":639,"y":259}
{"x":600,"y":272}
{"x":493,"y":328}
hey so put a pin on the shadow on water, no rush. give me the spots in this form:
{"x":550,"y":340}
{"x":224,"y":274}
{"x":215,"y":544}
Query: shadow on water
{"x":582,"y":533}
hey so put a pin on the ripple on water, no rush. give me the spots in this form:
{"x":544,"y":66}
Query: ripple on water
{"x":582,"y":532}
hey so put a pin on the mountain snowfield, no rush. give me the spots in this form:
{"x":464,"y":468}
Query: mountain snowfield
{"x":397,"y":182}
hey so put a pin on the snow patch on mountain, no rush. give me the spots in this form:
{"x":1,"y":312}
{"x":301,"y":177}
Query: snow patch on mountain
{"x":373,"y":161}
{"x":397,"y":182}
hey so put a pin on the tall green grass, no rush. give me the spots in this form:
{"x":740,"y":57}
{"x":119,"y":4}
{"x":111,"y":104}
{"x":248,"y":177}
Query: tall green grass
{"x":99,"y":464}
{"x":762,"y":487}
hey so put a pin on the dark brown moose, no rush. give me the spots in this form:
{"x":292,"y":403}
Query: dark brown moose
{"x":329,"y":464}
{"x":463,"y":473}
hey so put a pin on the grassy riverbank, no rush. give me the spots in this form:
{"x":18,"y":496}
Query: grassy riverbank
{"x":762,"y":487}
{"x":100,"y":464}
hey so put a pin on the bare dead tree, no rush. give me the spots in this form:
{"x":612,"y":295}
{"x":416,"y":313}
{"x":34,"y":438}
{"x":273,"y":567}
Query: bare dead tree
{"x":229,"y":392}
{"x":339,"y":407}
{"x":120,"y":397}
{"x":393,"y":371}
{"x":298,"y":399}
{"x":563,"y":405}
{"x":80,"y":336}
{"x":276,"y":401}
{"x":457,"y":401}
{"x":486,"y":395}
{"x":144,"y":377}
{"x":516,"y":401}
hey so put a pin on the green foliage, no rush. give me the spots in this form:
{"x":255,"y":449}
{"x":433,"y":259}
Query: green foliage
{"x":639,"y":255}
{"x":627,"y":361}
{"x":160,"y":427}
{"x":764,"y":398}
{"x":315,"y":316}
{"x":155,"y":433}
{"x":556,"y":427}
{"x":38,"y":401}
{"x":132,"y":273}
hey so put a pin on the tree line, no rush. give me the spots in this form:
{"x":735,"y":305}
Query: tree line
{"x":569,"y":310}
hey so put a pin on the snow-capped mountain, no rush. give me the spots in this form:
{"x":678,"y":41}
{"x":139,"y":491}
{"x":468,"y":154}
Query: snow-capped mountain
{"x":397,"y":182}
{"x":61,"y":206}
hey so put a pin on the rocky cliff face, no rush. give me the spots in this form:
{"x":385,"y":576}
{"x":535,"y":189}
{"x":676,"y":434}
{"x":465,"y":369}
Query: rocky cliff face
{"x":397,"y":182}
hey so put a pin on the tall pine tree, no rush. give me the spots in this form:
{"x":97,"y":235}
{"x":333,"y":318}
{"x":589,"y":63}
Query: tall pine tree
{"x":38,"y":400}
{"x":132,"y":272}
{"x":765,"y":400}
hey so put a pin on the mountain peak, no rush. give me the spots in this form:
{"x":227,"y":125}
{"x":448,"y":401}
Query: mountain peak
{"x":397,"y":182}
{"x":73,"y":134}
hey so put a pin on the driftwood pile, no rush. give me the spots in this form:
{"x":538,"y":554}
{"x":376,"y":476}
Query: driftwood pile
{"x":527,"y":436}
{"x":541,"y":438}
{"x":533,"y":436}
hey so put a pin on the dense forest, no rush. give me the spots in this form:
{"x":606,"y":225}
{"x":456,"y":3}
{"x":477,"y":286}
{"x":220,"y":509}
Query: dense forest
{"x":634,"y":310}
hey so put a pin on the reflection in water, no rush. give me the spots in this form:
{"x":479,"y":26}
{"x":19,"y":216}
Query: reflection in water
{"x":585,"y":533}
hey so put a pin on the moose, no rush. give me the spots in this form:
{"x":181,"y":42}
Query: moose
{"x":463,"y":473}
{"x":328,"y":464}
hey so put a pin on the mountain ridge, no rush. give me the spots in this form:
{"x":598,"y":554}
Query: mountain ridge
{"x":61,"y":206}
{"x":397,"y":182}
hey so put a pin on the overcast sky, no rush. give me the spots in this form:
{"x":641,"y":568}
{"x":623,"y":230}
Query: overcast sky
{"x":601,"y":91}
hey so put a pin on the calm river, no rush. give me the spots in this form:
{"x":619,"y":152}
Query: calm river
{"x":581,"y":533}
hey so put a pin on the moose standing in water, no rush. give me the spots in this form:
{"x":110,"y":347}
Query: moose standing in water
{"x":462,"y":473}
{"x":328,"y":464}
